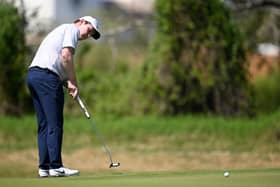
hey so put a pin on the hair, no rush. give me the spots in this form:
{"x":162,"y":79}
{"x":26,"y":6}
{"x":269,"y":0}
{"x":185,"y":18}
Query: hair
{"x":78,"y":20}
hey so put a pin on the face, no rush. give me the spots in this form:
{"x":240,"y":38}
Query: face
{"x":86,"y":30}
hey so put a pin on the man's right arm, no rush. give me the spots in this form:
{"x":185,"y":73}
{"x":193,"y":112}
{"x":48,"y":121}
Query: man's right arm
{"x":68,"y":65}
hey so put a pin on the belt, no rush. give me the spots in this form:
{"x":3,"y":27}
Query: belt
{"x":43,"y":69}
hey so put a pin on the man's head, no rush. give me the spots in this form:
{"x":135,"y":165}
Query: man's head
{"x":88,"y":27}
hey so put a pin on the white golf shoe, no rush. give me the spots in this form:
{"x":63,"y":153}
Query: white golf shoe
{"x":43,"y":172}
{"x":63,"y":172}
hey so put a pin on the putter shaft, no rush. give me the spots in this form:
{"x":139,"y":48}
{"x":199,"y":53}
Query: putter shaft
{"x":98,"y":135}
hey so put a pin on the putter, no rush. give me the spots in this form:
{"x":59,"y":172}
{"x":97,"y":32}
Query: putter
{"x":100,"y":138}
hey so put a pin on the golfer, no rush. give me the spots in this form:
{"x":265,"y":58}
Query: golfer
{"x":51,"y":67}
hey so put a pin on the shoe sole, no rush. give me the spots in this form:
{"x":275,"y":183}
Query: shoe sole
{"x":43,"y":176}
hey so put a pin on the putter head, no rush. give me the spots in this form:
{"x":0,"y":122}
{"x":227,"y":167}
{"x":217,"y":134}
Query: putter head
{"x":114,"y":165}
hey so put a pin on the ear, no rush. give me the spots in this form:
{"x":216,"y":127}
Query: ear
{"x":84,"y":21}
{"x":81,"y":21}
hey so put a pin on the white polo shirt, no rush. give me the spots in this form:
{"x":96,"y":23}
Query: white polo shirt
{"x":48,"y":54}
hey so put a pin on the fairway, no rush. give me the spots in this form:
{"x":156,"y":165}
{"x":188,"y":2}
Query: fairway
{"x":238,"y":178}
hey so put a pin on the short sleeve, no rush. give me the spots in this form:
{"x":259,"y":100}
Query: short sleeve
{"x":70,"y":37}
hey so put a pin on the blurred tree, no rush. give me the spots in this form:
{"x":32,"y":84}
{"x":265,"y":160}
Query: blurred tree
{"x":12,"y":56}
{"x":197,"y":61}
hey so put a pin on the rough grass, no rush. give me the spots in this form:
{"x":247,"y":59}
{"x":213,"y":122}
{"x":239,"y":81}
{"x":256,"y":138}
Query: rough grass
{"x":192,"y":132}
{"x":147,"y":143}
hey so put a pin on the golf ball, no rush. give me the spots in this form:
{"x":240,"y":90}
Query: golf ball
{"x":226,"y":174}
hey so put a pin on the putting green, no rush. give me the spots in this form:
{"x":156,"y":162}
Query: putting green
{"x":238,"y":178}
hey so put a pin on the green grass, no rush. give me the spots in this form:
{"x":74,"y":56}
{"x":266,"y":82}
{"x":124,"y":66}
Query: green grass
{"x":191,"y":132}
{"x":238,"y":178}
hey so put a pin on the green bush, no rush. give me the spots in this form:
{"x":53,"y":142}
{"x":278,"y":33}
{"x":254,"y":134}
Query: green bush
{"x":267,"y":93}
{"x":109,"y":85}
{"x":197,"y":61}
{"x":12,"y":59}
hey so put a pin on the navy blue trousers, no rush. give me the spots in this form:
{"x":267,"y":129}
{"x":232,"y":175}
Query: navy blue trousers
{"x":47,"y":94}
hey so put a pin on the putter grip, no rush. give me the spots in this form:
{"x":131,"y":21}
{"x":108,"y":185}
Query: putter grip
{"x":83,"y":106}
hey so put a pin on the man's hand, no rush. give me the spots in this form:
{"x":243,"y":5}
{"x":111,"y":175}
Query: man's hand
{"x":72,"y":89}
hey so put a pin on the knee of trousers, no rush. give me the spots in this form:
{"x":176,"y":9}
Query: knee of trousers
{"x":55,"y":131}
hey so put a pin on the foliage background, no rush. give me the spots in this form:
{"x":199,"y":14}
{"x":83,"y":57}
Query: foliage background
{"x":195,"y":62}
{"x":12,"y":60}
